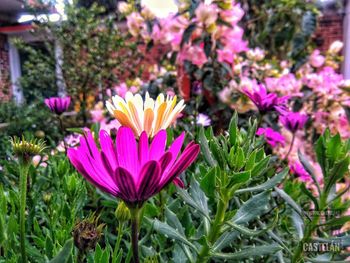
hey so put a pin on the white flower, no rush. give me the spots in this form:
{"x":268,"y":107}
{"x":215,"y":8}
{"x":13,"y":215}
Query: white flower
{"x":203,"y":120}
{"x":145,"y":114}
{"x":335,"y":47}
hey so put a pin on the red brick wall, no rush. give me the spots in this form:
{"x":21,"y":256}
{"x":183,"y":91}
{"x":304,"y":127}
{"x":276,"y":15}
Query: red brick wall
{"x":5,"y":83}
{"x":330,"y":28}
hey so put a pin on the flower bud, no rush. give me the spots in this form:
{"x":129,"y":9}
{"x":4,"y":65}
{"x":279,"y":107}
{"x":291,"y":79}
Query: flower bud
{"x":122,"y":213}
{"x":211,"y":28}
{"x":225,"y":5}
{"x":47,"y":198}
{"x":39,"y":134}
{"x":87,"y":233}
{"x":147,"y":14}
{"x":124,"y":8}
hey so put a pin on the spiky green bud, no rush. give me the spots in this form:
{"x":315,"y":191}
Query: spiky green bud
{"x":24,"y":148}
{"x":122,"y":212}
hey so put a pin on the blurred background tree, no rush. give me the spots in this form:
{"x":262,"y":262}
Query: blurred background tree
{"x":284,"y":28}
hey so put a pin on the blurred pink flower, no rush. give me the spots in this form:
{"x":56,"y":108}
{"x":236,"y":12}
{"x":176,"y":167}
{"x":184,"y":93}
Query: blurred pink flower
{"x":293,"y":121}
{"x":298,"y":170}
{"x":287,"y":84}
{"x":225,"y":94}
{"x":233,"y":15}
{"x":97,"y":115}
{"x":232,"y":39}
{"x":39,"y":160}
{"x":134,"y":23}
{"x":225,"y":55}
{"x":113,"y":125}
{"x":58,"y":105}
{"x":316,"y":60}
{"x":272,"y":137}
{"x":256,"y":54}
{"x":71,"y":140}
{"x":206,"y":14}
{"x":263,"y":100}
{"x":195,"y":54}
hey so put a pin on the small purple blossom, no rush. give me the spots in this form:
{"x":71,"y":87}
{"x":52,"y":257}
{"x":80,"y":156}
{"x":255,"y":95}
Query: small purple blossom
{"x":197,"y":88}
{"x":293,"y":121}
{"x":58,"y":105}
{"x":298,"y":170}
{"x":263,"y":100}
{"x":272,"y":137}
{"x":203,"y":120}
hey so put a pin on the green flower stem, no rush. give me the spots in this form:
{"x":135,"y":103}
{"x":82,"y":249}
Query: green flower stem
{"x":119,"y":238}
{"x":24,"y":167}
{"x":310,"y":228}
{"x":161,"y":203}
{"x":134,"y":233}
{"x":63,"y":132}
{"x":291,"y":147}
{"x":214,"y":230}
{"x":260,"y":119}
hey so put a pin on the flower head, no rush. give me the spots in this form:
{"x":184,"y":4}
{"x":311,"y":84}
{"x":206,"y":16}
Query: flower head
{"x":146,"y":115}
{"x":203,"y":120}
{"x":206,"y":14}
{"x":272,"y":137}
{"x":298,"y":170}
{"x":58,"y":105}
{"x":316,"y":59}
{"x":25,"y":149}
{"x":264,"y":101}
{"x":87,"y":233}
{"x":293,"y":121}
{"x":130,"y":170}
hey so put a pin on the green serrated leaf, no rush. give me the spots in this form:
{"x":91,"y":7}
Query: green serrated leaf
{"x":253,"y":208}
{"x":249,"y":252}
{"x":269,"y":184}
{"x":190,"y":201}
{"x":209,"y":181}
{"x":205,"y":148}
{"x":170,"y":232}
{"x":233,"y":129}
{"x":64,"y":255}
{"x":261,"y":166}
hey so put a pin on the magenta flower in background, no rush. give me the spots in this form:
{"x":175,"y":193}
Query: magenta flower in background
{"x":298,"y":170}
{"x":130,"y":170}
{"x":293,"y":121}
{"x":264,"y":101}
{"x":58,"y":105}
{"x":272,"y":137}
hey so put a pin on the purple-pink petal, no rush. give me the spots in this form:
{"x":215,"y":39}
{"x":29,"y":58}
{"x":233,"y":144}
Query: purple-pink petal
{"x":187,"y":157}
{"x":143,"y":149}
{"x":127,"y":151}
{"x":149,"y":179}
{"x":158,"y":144}
{"x":107,"y":148}
{"x":126,"y":184}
